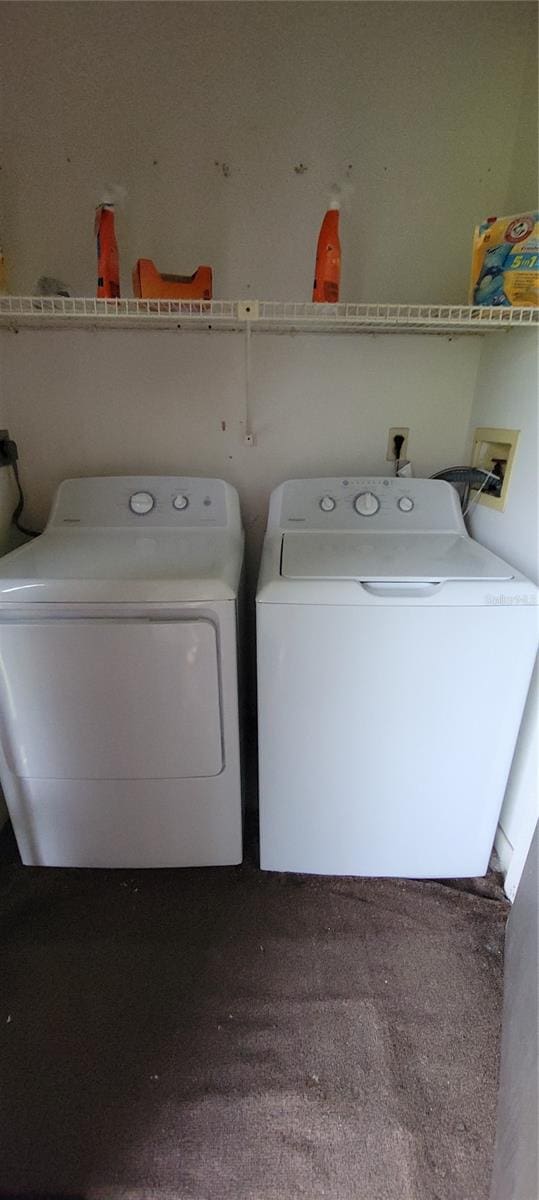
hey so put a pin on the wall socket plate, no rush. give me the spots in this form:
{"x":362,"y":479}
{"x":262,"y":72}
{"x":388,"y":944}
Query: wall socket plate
{"x":390,"y":456}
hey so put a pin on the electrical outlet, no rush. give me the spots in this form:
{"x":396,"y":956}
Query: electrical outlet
{"x":391,"y":456}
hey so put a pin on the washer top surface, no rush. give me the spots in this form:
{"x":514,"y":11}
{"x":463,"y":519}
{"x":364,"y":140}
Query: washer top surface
{"x":389,"y":557}
{"x":136,"y":538}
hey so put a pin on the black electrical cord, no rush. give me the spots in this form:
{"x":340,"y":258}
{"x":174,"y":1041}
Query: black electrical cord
{"x":32,"y":533}
{"x":8,"y":458}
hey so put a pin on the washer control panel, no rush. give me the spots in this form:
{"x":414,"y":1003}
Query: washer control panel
{"x":377,"y":504}
{"x":150,"y":501}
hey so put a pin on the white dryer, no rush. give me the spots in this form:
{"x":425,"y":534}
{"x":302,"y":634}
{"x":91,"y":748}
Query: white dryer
{"x":119,"y":735}
{"x":394,"y":657}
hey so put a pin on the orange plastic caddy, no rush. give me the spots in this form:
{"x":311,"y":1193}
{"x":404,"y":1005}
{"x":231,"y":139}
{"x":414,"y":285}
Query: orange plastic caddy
{"x":149,"y":284}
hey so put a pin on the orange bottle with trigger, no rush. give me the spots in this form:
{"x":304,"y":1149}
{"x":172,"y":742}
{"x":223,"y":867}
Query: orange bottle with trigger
{"x":108,"y":265}
{"x":328,"y":258}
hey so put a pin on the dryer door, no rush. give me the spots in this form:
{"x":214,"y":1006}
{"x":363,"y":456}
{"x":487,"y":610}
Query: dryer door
{"x":110,"y":699}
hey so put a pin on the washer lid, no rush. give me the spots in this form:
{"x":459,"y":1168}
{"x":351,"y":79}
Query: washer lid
{"x":387,"y":557}
{"x":123,"y":565}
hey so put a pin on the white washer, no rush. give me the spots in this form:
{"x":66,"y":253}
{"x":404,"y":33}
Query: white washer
{"x":118,"y":685}
{"x":394,"y":657}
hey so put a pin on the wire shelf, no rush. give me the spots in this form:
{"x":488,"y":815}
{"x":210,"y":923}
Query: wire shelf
{"x":279,"y":316}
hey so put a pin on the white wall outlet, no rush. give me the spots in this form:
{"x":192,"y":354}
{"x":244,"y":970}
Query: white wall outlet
{"x":391,"y":456}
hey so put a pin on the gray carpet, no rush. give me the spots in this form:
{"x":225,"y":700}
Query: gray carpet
{"x":235,"y":1035}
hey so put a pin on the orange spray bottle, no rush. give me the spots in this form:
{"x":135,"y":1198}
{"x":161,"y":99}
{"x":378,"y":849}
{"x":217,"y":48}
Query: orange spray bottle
{"x":108,"y":263}
{"x":328,"y":258}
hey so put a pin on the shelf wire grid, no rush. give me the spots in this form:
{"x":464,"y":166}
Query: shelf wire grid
{"x":262,"y":315}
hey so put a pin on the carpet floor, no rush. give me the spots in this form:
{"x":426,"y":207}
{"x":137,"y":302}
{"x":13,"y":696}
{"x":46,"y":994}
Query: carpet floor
{"x":224,"y":1034}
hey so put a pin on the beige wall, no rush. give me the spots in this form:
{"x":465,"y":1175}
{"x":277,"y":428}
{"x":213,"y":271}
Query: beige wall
{"x":428,"y":102}
{"x":507,"y":397}
{"x":524,"y":174}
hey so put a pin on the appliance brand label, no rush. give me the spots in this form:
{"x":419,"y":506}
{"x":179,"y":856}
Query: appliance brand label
{"x":519,"y":598}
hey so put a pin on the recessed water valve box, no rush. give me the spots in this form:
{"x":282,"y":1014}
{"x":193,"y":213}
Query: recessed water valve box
{"x":494,"y":450}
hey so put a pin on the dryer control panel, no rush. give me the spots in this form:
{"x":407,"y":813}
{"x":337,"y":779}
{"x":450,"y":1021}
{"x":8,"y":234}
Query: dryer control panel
{"x":375,"y":504}
{"x":140,"y":501}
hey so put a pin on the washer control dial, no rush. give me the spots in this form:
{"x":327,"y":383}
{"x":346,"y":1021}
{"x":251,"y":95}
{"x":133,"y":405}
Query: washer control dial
{"x":366,"y":504}
{"x":327,"y":504}
{"x":405,"y":503}
{"x":141,"y":503}
{"x":180,"y":502}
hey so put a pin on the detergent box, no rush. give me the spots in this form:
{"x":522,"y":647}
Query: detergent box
{"x":505,"y":261}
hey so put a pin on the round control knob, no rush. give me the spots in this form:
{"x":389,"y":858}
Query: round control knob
{"x":327,"y":504}
{"x":405,"y":504}
{"x":366,"y":504}
{"x":141,"y":503}
{"x":180,"y":502}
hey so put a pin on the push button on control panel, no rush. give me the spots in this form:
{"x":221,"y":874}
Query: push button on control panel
{"x":327,"y":503}
{"x":405,"y":504}
{"x":180,"y":503}
{"x":141,"y":503}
